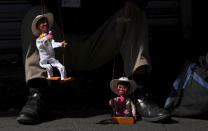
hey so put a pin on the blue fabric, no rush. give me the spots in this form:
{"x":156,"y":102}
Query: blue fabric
{"x":200,"y":80}
{"x":167,"y":101}
{"x":176,"y":84}
{"x":189,"y":72}
{"x":195,"y":76}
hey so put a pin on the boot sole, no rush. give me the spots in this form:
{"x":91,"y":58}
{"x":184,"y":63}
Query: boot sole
{"x":156,"y":119}
{"x":27,"y":121}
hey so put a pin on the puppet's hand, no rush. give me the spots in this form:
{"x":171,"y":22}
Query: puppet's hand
{"x":64,"y":44}
{"x":110,"y":102}
{"x":49,"y":37}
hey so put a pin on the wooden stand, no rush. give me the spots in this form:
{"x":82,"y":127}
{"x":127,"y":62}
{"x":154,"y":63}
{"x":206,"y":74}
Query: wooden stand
{"x":122,"y":120}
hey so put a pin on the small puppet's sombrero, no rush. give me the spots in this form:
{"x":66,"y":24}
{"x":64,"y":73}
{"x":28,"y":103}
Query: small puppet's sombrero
{"x":114,"y":85}
{"x":50,"y":18}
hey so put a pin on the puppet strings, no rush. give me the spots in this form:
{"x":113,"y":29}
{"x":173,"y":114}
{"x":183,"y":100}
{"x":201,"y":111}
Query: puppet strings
{"x":132,"y":75}
{"x":43,"y":8}
{"x":61,"y":28}
{"x":60,"y":18}
{"x":113,"y":73}
{"x":61,"y":23}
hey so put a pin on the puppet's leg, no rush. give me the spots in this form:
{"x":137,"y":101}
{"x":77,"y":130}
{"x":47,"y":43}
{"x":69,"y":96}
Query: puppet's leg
{"x":50,"y":73}
{"x":48,"y":68}
{"x":61,"y":68}
{"x":62,"y":71}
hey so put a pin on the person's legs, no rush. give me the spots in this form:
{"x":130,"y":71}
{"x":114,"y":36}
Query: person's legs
{"x":34,"y":74}
{"x":130,"y":36}
{"x":135,"y":53}
{"x":34,"y":109}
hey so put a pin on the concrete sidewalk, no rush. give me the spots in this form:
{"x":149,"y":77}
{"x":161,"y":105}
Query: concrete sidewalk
{"x":102,"y":123}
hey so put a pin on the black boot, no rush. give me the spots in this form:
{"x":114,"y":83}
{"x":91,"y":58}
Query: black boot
{"x":149,"y":111}
{"x":33,"y":111}
{"x":146,"y":109}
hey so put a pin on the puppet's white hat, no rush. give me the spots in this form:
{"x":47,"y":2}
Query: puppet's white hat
{"x":50,"y":18}
{"x":114,"y":83}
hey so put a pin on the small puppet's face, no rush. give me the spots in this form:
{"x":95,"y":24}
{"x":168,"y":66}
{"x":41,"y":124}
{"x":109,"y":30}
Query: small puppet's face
{"x":122,"y":89}
{"x":43,"y":25}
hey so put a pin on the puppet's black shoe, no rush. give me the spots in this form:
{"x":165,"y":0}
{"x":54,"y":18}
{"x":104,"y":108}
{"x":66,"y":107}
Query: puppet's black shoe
{"x":32,"y":112}
{"x":149,"y":111}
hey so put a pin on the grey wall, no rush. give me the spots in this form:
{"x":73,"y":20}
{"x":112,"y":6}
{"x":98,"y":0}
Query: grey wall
{"x":11,"y":15}
{"x":160,"y":13}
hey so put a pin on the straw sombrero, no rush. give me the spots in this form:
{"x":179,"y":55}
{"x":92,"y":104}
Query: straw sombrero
{"x":114,"y":83}
{"x":50,"y":18}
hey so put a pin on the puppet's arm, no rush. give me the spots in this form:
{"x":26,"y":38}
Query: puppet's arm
{"x":133,"y":110}
{"x":112,"y":104}
{"x":56,"y":44}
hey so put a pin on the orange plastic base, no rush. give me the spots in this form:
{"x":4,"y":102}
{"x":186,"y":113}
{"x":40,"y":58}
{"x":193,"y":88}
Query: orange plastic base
{"x":53,"y":78}
{"x":122,"y":120}
{"x":67,"y":79}
{"x":59,"y":78}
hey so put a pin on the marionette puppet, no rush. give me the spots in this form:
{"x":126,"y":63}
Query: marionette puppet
{"x":123,"y":108}
{"x":46,"y":44}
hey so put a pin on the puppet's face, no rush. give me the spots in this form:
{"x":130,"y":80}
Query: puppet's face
{"x":43,"y":25}
{"x":122,"y":89}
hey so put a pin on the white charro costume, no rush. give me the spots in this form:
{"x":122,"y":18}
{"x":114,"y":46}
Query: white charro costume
{"x":45,"y":48}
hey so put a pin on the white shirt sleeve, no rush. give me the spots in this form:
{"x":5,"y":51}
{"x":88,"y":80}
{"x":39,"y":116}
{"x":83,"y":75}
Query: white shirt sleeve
{"x":55,"y":44}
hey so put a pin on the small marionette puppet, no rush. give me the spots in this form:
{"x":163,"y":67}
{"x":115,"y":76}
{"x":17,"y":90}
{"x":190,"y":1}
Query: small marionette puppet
{"x":46,"y":44}
{"x":123,"y":106}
